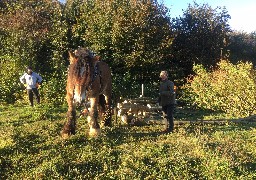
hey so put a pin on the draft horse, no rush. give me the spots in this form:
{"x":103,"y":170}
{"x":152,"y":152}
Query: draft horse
{"x":89,"y":81}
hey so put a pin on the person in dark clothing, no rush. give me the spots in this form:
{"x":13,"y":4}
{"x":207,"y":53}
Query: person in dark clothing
{"x":32,"y":81}
{"x":167,"y":101}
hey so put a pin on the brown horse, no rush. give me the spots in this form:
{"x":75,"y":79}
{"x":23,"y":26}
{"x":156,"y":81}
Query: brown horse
{"x":89,"y":80}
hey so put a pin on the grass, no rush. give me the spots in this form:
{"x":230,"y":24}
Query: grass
{"x":31,"y":148}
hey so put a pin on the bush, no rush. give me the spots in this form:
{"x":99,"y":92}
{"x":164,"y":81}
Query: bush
{"x":11,"y":88}
{"x":53,"y":89}
{"x":229,"y":88}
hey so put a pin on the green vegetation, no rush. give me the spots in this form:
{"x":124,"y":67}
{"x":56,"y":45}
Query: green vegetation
{"x":137,"y":39}
{"x":31,"y":148}
{"x":229,"y":88}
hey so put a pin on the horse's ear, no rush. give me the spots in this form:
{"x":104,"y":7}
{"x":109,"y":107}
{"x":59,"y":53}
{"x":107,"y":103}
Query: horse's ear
{"x":72,"y":57}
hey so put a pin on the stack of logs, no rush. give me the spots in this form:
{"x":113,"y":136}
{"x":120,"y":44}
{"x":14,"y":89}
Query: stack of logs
{"x":145,"y":110}
{"x":142,"y":110}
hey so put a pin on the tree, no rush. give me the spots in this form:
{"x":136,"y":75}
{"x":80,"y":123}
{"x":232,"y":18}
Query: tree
{"x":242,"y":47}
{"x":32,"y":34}
{"x":134,"y":37}
{"x":199,"y":36}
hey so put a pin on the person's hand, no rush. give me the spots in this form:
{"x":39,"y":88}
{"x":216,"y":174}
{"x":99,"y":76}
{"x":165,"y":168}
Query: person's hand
{"x":38,"y":85}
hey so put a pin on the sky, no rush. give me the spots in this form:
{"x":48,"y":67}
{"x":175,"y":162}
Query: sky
{"x":242,"y":12}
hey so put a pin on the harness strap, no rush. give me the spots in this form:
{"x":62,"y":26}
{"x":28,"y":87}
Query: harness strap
{"x":94,"y":75}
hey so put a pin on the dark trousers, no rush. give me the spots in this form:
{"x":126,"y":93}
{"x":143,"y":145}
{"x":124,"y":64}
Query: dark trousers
{"x":168,"y":115}
{"x":32,"y":92}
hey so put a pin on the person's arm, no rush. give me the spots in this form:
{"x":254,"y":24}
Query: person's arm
{"x":23,"y":79}
{"x":39,"y":79}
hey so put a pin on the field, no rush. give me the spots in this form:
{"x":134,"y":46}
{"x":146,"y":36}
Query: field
{"x":31,"y":148}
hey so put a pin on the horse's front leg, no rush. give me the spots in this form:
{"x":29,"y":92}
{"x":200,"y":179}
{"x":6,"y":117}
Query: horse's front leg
{"x":93,"y":118}
{"x":70,"y":125}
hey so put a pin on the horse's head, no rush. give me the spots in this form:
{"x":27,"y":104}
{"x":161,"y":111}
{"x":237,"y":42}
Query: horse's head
{"x":79,"y":72}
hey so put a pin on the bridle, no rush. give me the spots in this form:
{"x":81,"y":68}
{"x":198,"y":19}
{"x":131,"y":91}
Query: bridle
{"x":91,"y":72}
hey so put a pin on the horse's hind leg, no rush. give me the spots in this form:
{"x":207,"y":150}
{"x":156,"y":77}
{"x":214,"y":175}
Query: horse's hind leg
{"x":101,"y":108}
{"x":106,"y":121}
{"x":104,"y":110}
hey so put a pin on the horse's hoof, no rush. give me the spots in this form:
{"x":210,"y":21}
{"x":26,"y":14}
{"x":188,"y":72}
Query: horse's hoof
{"x":94,"y":132}
{"x":64,"y":135}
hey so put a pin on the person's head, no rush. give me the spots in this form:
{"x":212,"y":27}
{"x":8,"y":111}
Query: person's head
{"x":163,"y":75}
{"x":29,"y":70}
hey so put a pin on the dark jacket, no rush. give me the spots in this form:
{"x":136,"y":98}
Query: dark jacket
{"x":166,"y":93}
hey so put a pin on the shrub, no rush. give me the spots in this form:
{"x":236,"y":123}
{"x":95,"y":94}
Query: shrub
{"x":53,"y":89}
{"x":229,"y":88}
{"x":10,"y":88}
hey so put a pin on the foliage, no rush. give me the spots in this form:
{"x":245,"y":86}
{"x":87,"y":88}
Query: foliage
{"x":126,"y":87}
{"x":27,"y":25}
{"x":136,"y":38}
{"x":53,"y":90}
{"x":31,"y":148}
{"x":242,"y":47}
{"x":132,"y":36}
{"x":32,"y":35}
{"x":229,"y":88}
{"x":10,"y":89}
{"x":199,"y":36}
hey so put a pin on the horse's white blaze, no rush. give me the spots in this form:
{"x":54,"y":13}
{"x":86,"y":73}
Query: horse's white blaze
{"x":83,"y":95}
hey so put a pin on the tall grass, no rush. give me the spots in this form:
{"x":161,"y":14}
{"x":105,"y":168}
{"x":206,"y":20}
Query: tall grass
{"x":31,"y":148}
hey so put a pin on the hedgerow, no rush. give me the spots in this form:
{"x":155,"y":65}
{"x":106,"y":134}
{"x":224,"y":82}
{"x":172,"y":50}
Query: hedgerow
{"x":230,"y":88}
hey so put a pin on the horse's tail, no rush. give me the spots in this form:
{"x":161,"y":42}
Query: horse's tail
{"x":102,"y":102}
